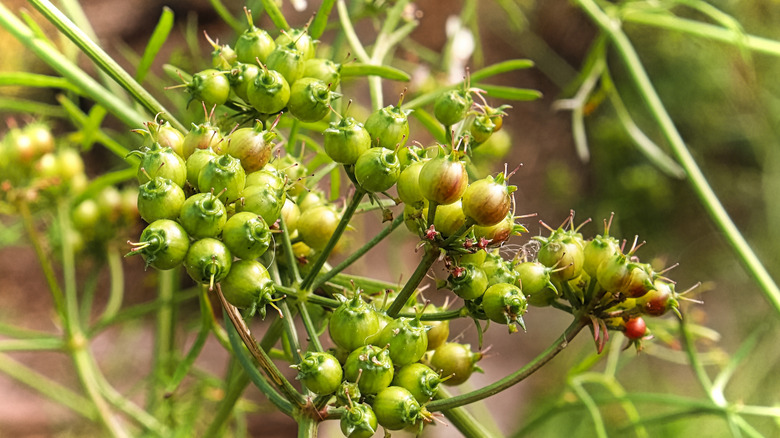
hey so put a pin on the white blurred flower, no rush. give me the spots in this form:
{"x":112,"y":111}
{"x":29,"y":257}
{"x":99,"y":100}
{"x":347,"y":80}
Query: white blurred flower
{"x":460,"y":50}
{"x":420,"y":76}
{"x":299,"y":5}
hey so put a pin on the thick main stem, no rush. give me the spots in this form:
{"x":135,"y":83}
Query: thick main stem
{"x":417,"y":277}
{"x":277,"y":378}
{"x":103,"y":60}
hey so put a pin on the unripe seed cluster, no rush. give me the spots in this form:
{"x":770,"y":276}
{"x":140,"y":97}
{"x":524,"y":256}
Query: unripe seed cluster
{"x":215,"y":200}
{"x":37,"y":169}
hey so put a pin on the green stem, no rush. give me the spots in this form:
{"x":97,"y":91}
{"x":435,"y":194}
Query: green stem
{"x":117,"y":289}
{"x":69,"y":70}
{"x":24,"y":79}
{"x":307,"y":427}
{"x":70,"y":288}
{"x":238,"y":382}
{"x":645,"y":145}
{"x":44,"y":344}
{"x":43,"y":259}
{"x":611,"y":384}
{"x":693,"y":357}
{"x":321,"y":19}
{"x":104,"y":61}
{"x":371,"y":205}
{"x":431,"y":253}
{"x":227,"y":405}
{"x":699,"y":183}
{"x":82,"y":361}
{"x":141,"y":416}
{"x":77,"y":343}
{"x":88,"y":290}
{"x":438,"y":316}
{"x":692,"y":403}
{"x":81,"y":120}
{"x":140,"y":310}
{"x":291,"y":331}
{"x":8,"y":105}
{"x":494,"y":388}
{"x":349,"y":33}
{"x":432,"y":206}
{"x":74,"y":10}
{"x":396,"y":37}
{"x":462,"y":419}
{"x":275,"y":14}
{"x":20,"y":332}
{"x":302,"y":296}
{"x":197,"y":346}
{"x":358,"y":253}
{"x":311,"y":331}
{"x":164,"y":336}
{"x":385,"y":41}
{"x":47,"y":387}
{"x":704,"y":30}
{"x":334,"y":239}
{"x":226,"y":16}
{"x":367,"y":283}
{"x":289,"y":255}
{"x":590,"y":406}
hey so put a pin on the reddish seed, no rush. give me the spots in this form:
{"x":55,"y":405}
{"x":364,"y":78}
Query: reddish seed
{"x":635,"y":328}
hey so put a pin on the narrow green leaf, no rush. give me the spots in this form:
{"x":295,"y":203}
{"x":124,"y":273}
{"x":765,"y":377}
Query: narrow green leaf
{"x":10,"y":105}
{"x":104,"y":62}
{"x":510,"y":93}
{"x":25,"y":79}
{"x":321,"y":19}
{"x":275,"y":14}
{"x":501,"y":67}
{"x":226,"y":16}
{"x":431,"y":124}
{"x":384,"y":71}
{"x":51,"y":56}
{"x":156,"y":41}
